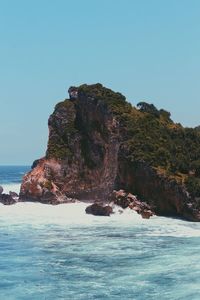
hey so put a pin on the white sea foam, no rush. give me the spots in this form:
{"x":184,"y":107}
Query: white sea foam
{"x":14,"y":187}
{"x":37,"y":214}
{"x":74,"y":214}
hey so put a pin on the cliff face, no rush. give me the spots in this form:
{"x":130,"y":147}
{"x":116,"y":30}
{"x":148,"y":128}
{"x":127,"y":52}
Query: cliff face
{"x":99,"y":142}
{"x":81,"y":158}
{"x":165,"y":195}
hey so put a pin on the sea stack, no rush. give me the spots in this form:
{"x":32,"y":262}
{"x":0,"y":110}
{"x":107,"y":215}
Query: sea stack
{"x":98,"y":142}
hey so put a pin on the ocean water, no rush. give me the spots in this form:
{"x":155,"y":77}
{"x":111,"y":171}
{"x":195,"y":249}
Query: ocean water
{"x":11,"y":176}
{"x":59,"y":252}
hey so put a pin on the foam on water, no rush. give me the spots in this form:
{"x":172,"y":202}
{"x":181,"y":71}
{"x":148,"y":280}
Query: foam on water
{"x":73,"y":214}
{"x":60,"y":252}
{"x":13,"y":187}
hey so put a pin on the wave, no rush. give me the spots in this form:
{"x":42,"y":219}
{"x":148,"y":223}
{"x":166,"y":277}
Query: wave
{"x":73,"y":214}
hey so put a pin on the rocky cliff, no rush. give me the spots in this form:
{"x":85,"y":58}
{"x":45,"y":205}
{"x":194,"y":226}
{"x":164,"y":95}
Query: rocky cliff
{"x":98,"y":142}
{"x":81,"y":158}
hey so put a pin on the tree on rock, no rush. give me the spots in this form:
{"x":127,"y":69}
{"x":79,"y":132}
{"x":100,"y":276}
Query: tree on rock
{"x":148,"y":108}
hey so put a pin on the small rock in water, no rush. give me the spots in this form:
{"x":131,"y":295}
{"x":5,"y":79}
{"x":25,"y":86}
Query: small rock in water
{"x":146,"y":214}
{"x":99,"y":210}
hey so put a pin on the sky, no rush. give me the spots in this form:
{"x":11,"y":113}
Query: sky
{"x":149,"y":50}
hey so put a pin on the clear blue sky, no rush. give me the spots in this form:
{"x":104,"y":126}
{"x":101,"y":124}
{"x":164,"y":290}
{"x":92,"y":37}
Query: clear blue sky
{"x":147,"y":49}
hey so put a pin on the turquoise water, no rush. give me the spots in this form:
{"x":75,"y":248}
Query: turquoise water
{"x":59,"y":252}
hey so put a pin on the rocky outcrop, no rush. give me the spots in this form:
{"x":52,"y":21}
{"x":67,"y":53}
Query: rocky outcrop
{"x":8,"y":199}
{"x":81,"y":158}
{"x":123,"y":199}
{"x":39,"y":184}
{"x":164,"y":195}
{"x":99,"y":143}
{"x":97,"y":209}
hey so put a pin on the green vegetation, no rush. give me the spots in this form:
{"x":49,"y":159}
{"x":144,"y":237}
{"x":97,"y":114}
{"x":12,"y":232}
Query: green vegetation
{"x":193,"y":186}
{"x":58,"y":144}
{"x":116,"y":102}
{"x":147,"y":134}
{"x":48,"y":184}
{"x":58,"y":149}
{"x":151,"y":136}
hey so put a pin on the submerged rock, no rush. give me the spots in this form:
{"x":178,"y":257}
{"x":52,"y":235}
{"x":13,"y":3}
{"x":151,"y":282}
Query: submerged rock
{"x":99,"y":210}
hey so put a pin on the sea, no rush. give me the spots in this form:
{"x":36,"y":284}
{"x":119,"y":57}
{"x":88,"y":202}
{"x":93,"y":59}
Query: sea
{"x":59,"y":252}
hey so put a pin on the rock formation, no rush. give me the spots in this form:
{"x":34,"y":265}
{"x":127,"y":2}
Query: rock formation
{"x":81,"y":159}
{"x":123,"y":199}
{"x":8,"y":199}
{"x":99,"y":143}
{"x":97,"y":209}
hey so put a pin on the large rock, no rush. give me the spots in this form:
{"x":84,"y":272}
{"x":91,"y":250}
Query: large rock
{"x":81,"y":158}
{"x":164,"y":195}
{"x":98,"y":142}
{"x":99,"y":210}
